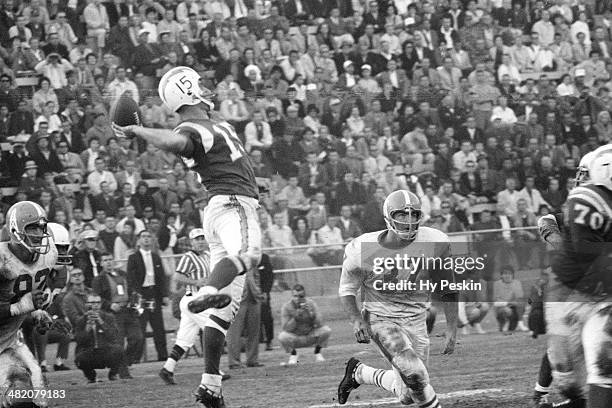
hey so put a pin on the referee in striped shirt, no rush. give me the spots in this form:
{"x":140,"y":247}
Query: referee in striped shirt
{"x":192,"y":272}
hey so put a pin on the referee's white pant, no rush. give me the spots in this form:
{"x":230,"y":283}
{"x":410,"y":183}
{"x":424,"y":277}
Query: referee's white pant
{"x":231,"y":227}
{"x":190,"y":324}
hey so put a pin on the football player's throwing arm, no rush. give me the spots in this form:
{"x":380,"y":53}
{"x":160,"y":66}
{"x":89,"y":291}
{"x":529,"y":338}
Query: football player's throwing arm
{"x":164,"y":139}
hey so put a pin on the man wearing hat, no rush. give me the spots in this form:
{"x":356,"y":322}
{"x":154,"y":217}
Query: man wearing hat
{"x":347,"y":80}
{"x":147,"y":59}
{"x":191,"y":273}
{"x":31,"y":184}
{"x":88,"y":258}
{"x":17,"y":159}
{"x":45,"y":158}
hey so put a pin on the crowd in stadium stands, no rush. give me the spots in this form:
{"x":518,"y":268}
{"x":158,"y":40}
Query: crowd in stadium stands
{"x":481,"y":107}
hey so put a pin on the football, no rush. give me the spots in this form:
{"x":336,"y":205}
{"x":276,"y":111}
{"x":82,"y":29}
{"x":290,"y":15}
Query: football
{"x":125,"y":111}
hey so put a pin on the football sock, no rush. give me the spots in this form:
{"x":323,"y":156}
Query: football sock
{"x":293,"y":352}
{"x":213,"y":349}
{"x":175,"y":355}
{"x":212,"y":382}
{"x":317,"y":349}
{"x":545,"y":377}
{"x":373,"y":376}
{"x":599,"y":397}
{"x":225,"y":271}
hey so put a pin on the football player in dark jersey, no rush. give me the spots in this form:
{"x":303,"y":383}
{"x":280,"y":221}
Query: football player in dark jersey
{"x":550,"y":228}
{"x":579,"y":301}
{"x":214,"y":151}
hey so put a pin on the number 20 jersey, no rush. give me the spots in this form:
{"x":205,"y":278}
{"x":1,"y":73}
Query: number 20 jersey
{"x":585,"y":260}
{"x":216,"y":153}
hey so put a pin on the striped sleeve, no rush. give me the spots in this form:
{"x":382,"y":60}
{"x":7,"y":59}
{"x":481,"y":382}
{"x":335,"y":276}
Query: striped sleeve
{"x":197,"y":133}
{"x":186,"y":265}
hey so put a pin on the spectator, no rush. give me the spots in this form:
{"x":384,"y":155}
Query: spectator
{"x":96,"y":19}
{"x":108,"y":235}
{"x":130,"y":215}
{"x":257,"y":133}
{"x":509,"y":302}
{"x":98,"y":343}
{"x":100,"y":175}
{"x":54,"y":67}
{"x":88,"y":258}
{"x":164,"y":198}
{"x":124,"y":244}
{"x":122,"y":84}
{"x":146,"y":276}
{"x":349,"y":228}
{"x":44,"y":95}
{"x":302,"y":326}
{"x":329,"y":234}
{"x":111,"y":286}
{"x":247,"y":321}
{"x":507,"y":198}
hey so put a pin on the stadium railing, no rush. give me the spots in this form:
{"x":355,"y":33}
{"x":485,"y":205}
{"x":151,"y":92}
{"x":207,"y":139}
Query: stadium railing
{"x":293,"y":264}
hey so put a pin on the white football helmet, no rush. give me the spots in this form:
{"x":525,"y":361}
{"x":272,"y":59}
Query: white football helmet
{"x":181,"y":86}
{"x":62,"y":243}
{"x":582,"y":175}
{"x":600,"y":169}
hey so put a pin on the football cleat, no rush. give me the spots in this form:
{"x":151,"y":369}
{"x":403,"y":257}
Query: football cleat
{"x":208,"y":399}
{"x":167,"y":376}
{"x":348,"y":383}
{"x":217,"y":301}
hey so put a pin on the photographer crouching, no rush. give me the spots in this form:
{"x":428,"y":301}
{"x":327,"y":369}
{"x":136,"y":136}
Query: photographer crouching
{"x":98,"y":342}
{"x":112,"y":287}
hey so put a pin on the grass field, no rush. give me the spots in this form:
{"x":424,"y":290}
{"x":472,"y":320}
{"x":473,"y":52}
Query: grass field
{"x":495,"y":370}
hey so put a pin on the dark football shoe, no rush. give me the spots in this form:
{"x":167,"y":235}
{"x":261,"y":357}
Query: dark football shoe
{"x":167,"y":376}
{"x":348,"y":383}
{"x":217,"y":301}
{"x":208,"y":399}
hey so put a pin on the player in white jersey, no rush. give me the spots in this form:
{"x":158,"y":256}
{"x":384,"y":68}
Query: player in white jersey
{"x":191,"y":272}
{"x":394,"y":317}
{"x":212,"y":149}
{"x":25,"y":262}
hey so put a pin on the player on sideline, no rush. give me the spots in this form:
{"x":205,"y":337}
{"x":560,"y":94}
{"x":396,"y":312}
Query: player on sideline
{"x":579,"y":304}
{"x":552,"y":228}
{"x":191,"y":272}
{"x":26,"y":260}
{"x":395,"y":320}
{"x":213,"y":150}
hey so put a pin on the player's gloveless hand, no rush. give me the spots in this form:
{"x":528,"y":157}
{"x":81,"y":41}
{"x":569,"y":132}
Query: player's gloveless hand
{"x":123,"y":131}
{"x":362,"y":330}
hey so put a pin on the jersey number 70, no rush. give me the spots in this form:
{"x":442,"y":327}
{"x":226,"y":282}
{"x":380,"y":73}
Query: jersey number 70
{"x":585,"y":217}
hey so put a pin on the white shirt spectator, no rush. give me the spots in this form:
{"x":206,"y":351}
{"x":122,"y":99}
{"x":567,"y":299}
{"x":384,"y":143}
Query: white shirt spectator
{"x":56,"y":72}
{"x":506,"y":200}
{"x":254,"y":139}
{"x":327,"y":235}
{"x":506,"y":115}
{"x":95,"y":178}
{"x":139,"y":225}
{"x":534,"y":199}
{"x":580,"y":27}
{"x":117,"y":87}
{"x":460,"y":159}
{"x":183,"y":10}
{"x":54,"y":122}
